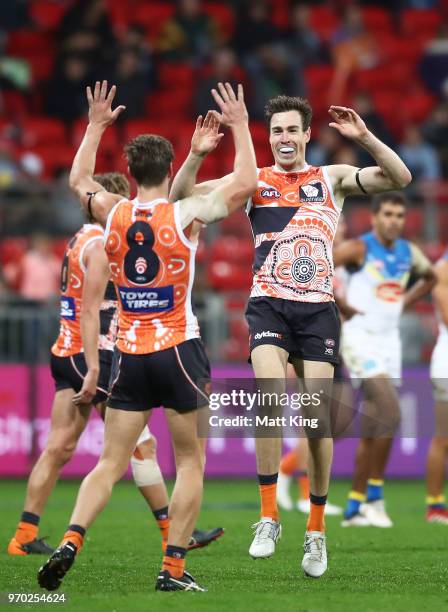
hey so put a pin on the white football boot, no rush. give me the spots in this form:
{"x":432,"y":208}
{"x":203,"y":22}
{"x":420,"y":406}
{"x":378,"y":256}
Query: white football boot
{"x":314,"y":562}
{"x":267,"y":533}
{"x":375,"y":513}
{"x":304,"y":505}
{"x":283,"y":497}
{"x":357,"y":520}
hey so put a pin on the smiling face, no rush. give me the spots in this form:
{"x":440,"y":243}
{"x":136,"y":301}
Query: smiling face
{"x":288,"y":140}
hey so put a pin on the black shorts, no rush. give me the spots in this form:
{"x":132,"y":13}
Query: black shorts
{"x":306,"y":330}
{"x":176,"y":377}
{"x":69,"y":372}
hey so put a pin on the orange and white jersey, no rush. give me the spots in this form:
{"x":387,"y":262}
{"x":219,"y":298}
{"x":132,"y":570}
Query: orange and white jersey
{"x":294,"y":217}
{"x":69,"y":341}
{"x":152,"y":267}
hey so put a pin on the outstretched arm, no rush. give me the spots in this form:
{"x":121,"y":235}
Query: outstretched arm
{"x":349,"y":253}
{"x":90,"y":193}
{"x":390,"y":173}
{"x":95,"y":282}
{"x":206,"y":138}
{"x":234,"y":193}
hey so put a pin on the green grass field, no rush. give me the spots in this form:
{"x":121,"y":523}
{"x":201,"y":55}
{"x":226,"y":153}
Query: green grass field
{"x":399,"y":569}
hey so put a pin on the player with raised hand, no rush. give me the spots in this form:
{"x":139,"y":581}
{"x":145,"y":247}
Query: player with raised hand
{"x":291,"y":313}
{"x":159,"y":358}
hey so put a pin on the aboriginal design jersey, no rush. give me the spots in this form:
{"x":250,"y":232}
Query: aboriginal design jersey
{"x":69,"y":341}
{"x":152,"y":267}
{"x":294,"y":218}
{"x":377,"y":288}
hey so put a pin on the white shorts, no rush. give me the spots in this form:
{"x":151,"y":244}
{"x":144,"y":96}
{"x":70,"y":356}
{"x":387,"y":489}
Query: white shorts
{"x":439,"y":369}
{"x":367,"y":354}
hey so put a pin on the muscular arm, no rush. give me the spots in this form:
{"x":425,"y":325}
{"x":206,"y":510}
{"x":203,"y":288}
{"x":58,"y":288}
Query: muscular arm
{"x":390,"y":172}
{"x":83,"y":168}
{"x":440,"y":291}
{"x":95,"y":282}
{"x":422,"y":268}
{"x":349,"y":252}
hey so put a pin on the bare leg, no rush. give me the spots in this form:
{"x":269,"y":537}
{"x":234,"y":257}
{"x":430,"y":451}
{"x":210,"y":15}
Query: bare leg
{"x":187,"y":494}
{"x":156,"y":494}
{"x":67,"y":424}
{"x":362,"y":465}
{"x":438,"y":452}
{"x":122,"y":429}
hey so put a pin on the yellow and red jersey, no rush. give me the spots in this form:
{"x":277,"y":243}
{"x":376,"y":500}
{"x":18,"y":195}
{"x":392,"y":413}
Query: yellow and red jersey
{"x":294,"y":217}
{"x":152,"y":267}
{"x":69,"y":341}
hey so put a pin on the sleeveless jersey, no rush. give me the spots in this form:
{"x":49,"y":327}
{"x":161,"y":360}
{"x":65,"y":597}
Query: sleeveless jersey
{"x":294,"y":217}
{"x":152,"y":267}
{"x":69,"y":341}
{"x":376,"y":289}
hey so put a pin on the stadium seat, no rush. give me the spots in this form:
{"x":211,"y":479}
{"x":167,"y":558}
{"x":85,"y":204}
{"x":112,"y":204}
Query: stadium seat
{"x":110,"y":141}
{"x":47,"y":14}
{"x":42,"y":65}
{"x":324,"y":21}
{"x":55,"y":157}
{"x":376,"y":19}
{"x":120,"y":14}
{"x":232,"y":249}
{"x":225,"y":276}
{"x":25,"y":43}
{"x":359,"y":220}
{"x":237,"y":224}
{"x":135,"y":127}
{"x":415,"y":223}
{"x":223,"y":15}
{"x":12,"y":250}
{"x":163,"y":104}
{"x":38,"y":131}
{"x":420,"y":23}
{"x":59,"y":246}
{"x":153,"y":15}
{"x":15,"y":103}
{"x":418,"y":106}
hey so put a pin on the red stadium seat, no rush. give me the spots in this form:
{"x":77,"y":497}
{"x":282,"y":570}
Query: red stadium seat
{"x":135,"y":127}
{"x":59,"y":246}
{"x":38,"y":131}
{"x":165,"y":104}
{"x":376,"y":19}
{"x":418,"y":23}
{"x":15,"y":103}
{"x":175,"y":75}
{"x":223,"y":15}
{"x":47,"y":14}
{"x":415,"y":223}
{"x":12,"y":250}
{"x":232,"y":249}
{"x":153,"y":15}
{"x":110,"y":141}
{"x":359,"y":220}
{"x":418,"y":106}
{"x":225,"y":276}
{"x":55,"y":157}
{"x":42,"y":65}
{"x":120,"y":14}
{"x":237,"y":224}
{"x":324,"y":21}
{"x":25,"y":43}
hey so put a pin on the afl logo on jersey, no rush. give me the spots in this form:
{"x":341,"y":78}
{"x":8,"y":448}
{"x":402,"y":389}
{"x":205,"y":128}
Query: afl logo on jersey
{"x":315,"y":191}
{"x":270,"y":193}
{"x":303,"y":270}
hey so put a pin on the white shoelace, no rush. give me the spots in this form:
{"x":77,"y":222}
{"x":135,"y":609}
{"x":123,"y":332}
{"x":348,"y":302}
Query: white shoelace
{"x":314,"y":546}
{"x":264,"y":530}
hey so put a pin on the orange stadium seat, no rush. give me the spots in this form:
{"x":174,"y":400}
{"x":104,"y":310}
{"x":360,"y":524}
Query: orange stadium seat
{"x":223,"y":15}
{"x":47,"y":14}
{"x":324,"y":21}
{"x":42,"y":130}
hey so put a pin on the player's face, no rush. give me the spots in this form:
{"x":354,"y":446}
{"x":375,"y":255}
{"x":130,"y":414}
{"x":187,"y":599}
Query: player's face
{"x":288,"y":140}
{"x":388,"y":222}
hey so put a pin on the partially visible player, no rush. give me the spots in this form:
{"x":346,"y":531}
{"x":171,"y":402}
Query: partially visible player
{"x":81,"y":359}
{"x":437,"y":511}
{"x":159,"y":358}
{"x":381,"y":264}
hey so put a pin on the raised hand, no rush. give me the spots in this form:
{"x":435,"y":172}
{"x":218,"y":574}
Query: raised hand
{"x":100,"y":104}
{"x":206,"y":135}
{"x":233,"y":109}
{"x":347,"y":122}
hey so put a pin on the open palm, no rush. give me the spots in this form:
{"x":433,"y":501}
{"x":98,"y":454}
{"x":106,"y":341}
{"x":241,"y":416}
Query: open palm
{"x":206,"y":135}
{"x":347,"y":122}
{"x":100,"y":104}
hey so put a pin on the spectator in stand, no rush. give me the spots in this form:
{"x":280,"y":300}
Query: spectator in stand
{"x":65,"y":93}
{"x":37,"y":274}
{"x":324,"y":147}
{"x":132,"y":83}
{"x":9,"y":169}
{"x":222,"y":70}
{"x":363,"y":105}
{"x":254,"y":28}
{"x":353,"y":48}
{"x":270,"y":74}
{"x":86,"y":31}
{"x":190,"y":34}
{"x":419,"y":156}
{"x":434,"y":63}
{"x":345,"y":154}
{"x":302,"y":42}
{"x":435,"y":131}
{"x":135,"y":38}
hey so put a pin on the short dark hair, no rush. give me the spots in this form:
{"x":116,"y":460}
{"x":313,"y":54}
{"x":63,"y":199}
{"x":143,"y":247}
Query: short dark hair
{"x":114,"y":182}
{"x":394,"y":197}
{"x":283,"y":104}
{"x":149,"y":158}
